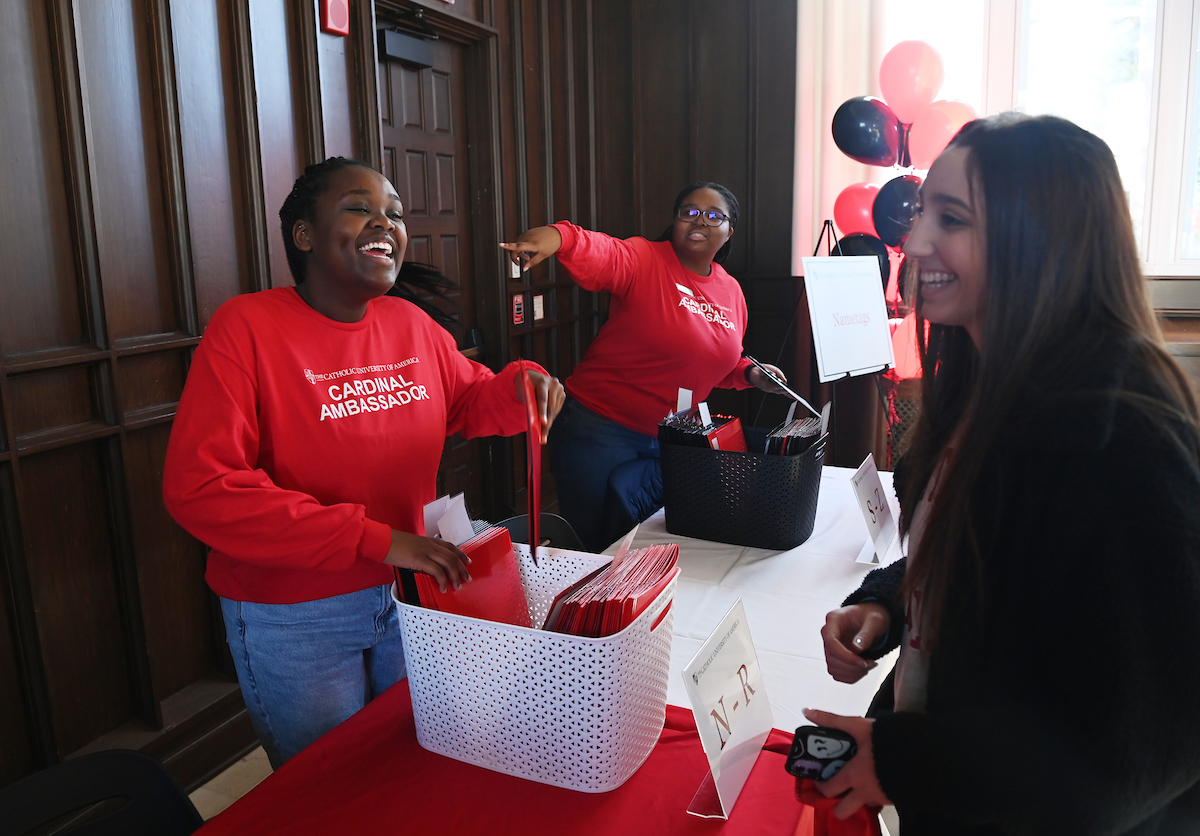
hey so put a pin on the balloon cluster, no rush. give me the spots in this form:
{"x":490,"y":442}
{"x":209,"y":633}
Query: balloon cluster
{"x":906,"y":128}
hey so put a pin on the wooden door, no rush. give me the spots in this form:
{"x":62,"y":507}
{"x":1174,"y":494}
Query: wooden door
{"x":425,"y":156}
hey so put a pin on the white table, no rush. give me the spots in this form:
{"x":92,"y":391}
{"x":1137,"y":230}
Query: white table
{"x":786,"y":596}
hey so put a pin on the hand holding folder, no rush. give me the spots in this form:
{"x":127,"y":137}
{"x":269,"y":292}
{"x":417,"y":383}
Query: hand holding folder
{"x":495,"y":592}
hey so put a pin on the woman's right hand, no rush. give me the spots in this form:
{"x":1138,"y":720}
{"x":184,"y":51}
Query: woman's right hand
{"x":533,"y":246}
{"x":848,"y":633}
{"x":443,"y":561}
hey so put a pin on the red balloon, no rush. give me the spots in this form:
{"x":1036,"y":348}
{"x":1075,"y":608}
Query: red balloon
{"x":852,"y":209}
{"x":910,"y":77}
{"x":933,"y":129}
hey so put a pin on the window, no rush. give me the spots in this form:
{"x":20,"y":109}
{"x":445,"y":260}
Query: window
{"x":1124,"y":69}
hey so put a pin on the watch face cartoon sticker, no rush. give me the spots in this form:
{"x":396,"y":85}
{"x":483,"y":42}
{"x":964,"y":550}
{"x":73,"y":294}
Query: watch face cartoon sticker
{"x":827,"y":747}
{"x":818,"y":753}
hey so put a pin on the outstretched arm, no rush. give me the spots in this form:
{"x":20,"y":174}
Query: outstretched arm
{"x":533,"y":246}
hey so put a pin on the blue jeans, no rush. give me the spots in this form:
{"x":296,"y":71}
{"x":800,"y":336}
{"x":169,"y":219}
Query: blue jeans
{"x":585,"y":451}
{"x":306,"y":667}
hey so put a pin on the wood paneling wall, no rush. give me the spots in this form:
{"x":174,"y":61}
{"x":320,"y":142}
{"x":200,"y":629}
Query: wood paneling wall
{"x":148,"y":145}
{"x":693,"y":91}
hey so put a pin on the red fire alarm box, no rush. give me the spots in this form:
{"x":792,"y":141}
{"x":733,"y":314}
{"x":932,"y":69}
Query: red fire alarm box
{"x":518,"y":309}
{"x":335,"y":16}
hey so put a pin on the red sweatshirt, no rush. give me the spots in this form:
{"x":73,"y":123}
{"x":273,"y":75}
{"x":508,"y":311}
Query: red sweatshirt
{"x":667,"y":328}
{"x":300,"y":442}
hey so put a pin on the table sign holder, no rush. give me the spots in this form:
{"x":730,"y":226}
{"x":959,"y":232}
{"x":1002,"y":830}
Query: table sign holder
{"x":733,"y":716}
{"x":883,"y":545}
{"x":849,"y":316}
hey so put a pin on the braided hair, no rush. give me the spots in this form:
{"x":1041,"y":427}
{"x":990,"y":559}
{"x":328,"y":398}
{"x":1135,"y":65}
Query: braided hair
{"x":301,"y":204}
{"x":731,"y":203}
{"x":421,"y":284}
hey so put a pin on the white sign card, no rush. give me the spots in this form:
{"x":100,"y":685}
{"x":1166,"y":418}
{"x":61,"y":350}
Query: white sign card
{"x":446,"y":517}
{"x":849,"y":316}
{"x":684,"y":401}
{"x":733,"y":715}
{"x":881,"y":523}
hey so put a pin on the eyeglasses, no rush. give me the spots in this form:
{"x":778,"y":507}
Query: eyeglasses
{"x":707,"y":218}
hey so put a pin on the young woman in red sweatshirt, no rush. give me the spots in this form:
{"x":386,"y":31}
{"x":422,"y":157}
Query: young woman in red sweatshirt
{"x":676,"y":320}
{"x":306,"y":444}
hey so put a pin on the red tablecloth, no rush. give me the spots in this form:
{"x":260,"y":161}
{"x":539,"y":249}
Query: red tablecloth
{"x":369,"y":775}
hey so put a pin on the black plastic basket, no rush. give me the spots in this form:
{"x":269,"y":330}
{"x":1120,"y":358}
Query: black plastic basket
{"x":749,"y":499}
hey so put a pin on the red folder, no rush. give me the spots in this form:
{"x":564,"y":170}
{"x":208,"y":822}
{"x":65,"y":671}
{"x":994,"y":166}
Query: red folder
{"x":494,"y":592}
{"x":728,"y":436}
{"x":608,"y":600}
{"x":533,"y":448}
{"x":636,"y":604}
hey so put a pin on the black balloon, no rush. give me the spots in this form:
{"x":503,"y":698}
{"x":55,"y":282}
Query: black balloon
{"x":895,"y":209}
{"x":905,"y":290}
{"x":859,"y":243}
{"x":866,"y":130}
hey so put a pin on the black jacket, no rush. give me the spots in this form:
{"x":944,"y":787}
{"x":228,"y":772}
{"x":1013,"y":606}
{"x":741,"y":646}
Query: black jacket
{"x":1067,"y":701}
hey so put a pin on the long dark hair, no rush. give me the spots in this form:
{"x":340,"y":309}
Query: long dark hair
{"x":1063,"y":277}
{"x":731,"y":203}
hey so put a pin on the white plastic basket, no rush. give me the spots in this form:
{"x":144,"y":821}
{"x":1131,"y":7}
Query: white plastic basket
{"x":574,"y":712}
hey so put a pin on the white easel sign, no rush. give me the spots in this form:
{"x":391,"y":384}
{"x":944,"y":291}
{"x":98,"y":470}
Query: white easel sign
{"x":733,"y":716}
{"x":877,"y":513}
{"x":849,"y":316}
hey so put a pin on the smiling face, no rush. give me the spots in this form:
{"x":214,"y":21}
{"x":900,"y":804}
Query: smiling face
{"x":354,"y":243}
{"x":949,"y":242}
{"x":695,"y":243}
{"x":827,"y":747}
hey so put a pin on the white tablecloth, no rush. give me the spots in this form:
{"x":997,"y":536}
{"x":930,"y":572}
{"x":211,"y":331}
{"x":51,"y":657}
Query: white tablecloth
{"x":786,"y":596}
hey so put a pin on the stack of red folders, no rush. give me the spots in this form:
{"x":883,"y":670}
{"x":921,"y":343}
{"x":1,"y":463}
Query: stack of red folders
{"x":611,"y":598}
{"x":494,"y":592}
{"x":728,"y":436}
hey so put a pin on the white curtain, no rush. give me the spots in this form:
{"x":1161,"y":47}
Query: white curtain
{"x":838,"y":50}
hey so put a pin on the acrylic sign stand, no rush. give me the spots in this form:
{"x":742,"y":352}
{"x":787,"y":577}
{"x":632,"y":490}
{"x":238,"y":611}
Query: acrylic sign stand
{"x":733,"y":716}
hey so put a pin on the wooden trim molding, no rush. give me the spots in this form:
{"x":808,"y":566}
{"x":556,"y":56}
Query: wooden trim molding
{"x":30,"y":662}
{"x":166,"y":112}
{"x":366,"y":81}
{"x":141,"y":678}
{"x":249,"y":151}
{"x":446,"y":24}
{"x":311,"y":115}
{"x":70,"y":96}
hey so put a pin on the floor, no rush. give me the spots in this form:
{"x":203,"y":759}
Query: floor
{"x":231,"y":784}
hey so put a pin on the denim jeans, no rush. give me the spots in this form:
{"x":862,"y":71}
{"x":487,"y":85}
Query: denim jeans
{"x":584,"y":449}
{"x":306,"y":667}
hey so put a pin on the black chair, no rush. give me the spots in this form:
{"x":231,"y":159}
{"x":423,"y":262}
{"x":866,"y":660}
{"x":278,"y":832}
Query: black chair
{"x":129,"y":792}
{"x":553,"y":530}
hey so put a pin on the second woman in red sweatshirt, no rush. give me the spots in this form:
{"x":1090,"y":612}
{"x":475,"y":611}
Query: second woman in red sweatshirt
{"x":676,"y":320}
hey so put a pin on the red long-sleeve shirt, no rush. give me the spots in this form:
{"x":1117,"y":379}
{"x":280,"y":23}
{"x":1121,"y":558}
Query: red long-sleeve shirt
{"x":667,"y":328}
{"x":300,"y":441}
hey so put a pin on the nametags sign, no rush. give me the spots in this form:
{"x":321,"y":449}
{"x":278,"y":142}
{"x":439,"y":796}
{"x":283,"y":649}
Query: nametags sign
{"x":733,"y":716}
{"x":849,"y":316}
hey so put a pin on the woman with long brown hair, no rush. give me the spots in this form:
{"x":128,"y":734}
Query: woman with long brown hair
{"x":1048,"y":609}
